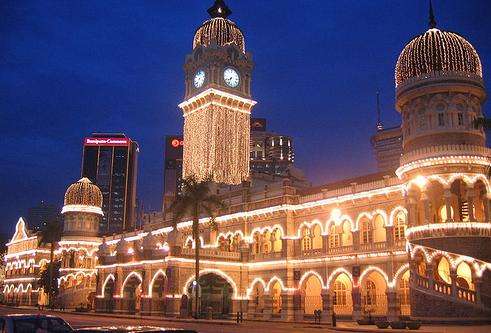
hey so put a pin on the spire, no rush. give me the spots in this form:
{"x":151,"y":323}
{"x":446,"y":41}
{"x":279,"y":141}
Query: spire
{"x":380,"y":127}
{"x":432,"y":22}
{"x":219,"y":9}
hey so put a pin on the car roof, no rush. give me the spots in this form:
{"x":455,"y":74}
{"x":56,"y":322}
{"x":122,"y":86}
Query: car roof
{"x":132,"y":329}
{"x":29,"y":315}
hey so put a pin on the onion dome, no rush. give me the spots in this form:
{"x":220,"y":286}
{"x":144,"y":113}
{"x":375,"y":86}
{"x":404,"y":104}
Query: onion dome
{"x":219,"y":30}
{"x":83,"y":196}
{"x":437,"y":51}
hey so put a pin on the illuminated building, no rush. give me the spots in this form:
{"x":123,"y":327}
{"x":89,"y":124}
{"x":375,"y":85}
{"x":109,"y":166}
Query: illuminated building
{"x":271,"y":153}
{"x":111,"y":161}
{"x":414,"y":242}
{"x":387,"y":146}
{"x":172,"y":168}
{"x":217,"y":103}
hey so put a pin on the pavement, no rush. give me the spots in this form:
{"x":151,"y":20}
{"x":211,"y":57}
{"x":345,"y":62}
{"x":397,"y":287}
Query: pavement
{"x":78,"y":320}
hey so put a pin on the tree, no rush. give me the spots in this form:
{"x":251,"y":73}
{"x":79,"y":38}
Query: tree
{"x":196,"y":200}
{"x":51,"y":234}
{"x":48,"y":280}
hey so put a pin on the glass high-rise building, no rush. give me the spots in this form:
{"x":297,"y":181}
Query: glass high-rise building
{"x":110,"y":161}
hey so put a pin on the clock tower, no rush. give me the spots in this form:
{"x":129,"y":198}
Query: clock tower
{"x":217,"y":103}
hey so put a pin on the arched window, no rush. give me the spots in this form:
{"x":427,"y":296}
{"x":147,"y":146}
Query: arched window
{"x":366,"y":231}
{"x":276,"y":297}
{"x":400,"y":226}
{"x":221,"y":243}
{"x":421,"y":266}
{"x":346,"y":237}
{"x":256,"y":243}
{"x":306,"y":240}
{"x":266,"y":242}
{"x":258,"y":300}
{"x":277,"y":241}
{"x":371,"y":293}
{"x":317,"y":237}
{"x":404,"y":293}
{"x":312,"y":291}
{"x":443,"y":271}
{"x":334,"y":237}
{"x":443,"y":214}
{"x":464,"y":276}
{"x":340,"y":296}
{"x":379,"y":229}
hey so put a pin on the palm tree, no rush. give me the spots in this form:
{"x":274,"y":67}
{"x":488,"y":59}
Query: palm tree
{"x":196,"y":200}
{"x":51,"y":234}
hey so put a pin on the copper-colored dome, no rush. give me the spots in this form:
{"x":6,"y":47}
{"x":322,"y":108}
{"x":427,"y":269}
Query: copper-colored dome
{"x":219,"y":31}
{"x":83,"y":193}
{"x":437,"y":51}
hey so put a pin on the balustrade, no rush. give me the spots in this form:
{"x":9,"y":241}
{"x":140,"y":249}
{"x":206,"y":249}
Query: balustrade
{"x":212,"y":253}
{"x":466,"y":294}
{"x":442,"y":287}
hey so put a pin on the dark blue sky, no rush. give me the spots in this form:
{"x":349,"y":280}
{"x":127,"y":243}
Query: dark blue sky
{"x":68,"y":68}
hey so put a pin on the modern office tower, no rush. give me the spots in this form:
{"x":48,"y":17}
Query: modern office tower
{"x":271,"y":153}
{"x":172,"y":168}
{"x":387,"y":147}
{"x":110,"y":161}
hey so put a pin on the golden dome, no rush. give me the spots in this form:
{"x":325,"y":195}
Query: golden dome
{"x":437,"y":51}
{"x":219,"y":30}
{"x":83,"y":196}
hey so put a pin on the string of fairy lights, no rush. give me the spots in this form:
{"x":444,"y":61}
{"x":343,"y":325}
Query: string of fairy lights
{"x":436,"y":51}
{"x":220,"y":31}
{"x":217,"y":144}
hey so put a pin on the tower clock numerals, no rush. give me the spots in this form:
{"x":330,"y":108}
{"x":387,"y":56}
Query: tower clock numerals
{"x":199,"y":78}
{"x":231,"y":77}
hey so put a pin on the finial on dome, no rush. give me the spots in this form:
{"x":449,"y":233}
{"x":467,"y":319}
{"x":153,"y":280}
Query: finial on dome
{"x":219,"y":9}
{"x":432,"y":22}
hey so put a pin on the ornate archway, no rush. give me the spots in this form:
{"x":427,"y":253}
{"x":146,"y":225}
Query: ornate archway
{"x":215,"y":295}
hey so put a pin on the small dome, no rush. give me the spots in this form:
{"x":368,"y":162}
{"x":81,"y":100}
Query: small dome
{"x":437,"y":51}
{"x":219,"y":30}
{"x":83,"y":196}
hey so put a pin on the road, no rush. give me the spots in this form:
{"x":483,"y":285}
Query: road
{"x":85,"y":320}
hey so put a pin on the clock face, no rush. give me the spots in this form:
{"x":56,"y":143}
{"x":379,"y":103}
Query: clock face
{"x":231,"y":77}
{"x":199,"y":78}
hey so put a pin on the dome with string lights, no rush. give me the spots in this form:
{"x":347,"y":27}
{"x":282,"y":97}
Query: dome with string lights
{"x":219,"y":29}
{"x":437,"y":51}
{"x":83,"y":196}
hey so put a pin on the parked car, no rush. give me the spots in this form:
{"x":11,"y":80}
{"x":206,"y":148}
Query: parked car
{"x":133,"y":329}
{"x":33,"y":323}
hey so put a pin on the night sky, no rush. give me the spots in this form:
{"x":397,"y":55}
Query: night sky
{"x":68,"y":68}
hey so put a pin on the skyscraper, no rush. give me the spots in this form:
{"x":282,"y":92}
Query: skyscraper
{"x":387,"y":147}
{"x":271,"y":153}
{"x":110,"y":161}
{"x":172,"y":168}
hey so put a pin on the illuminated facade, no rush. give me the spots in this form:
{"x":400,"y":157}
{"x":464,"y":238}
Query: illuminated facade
{"x":410,"y":243}
{"x":218,"y":102}
{"x":110,"y":160}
